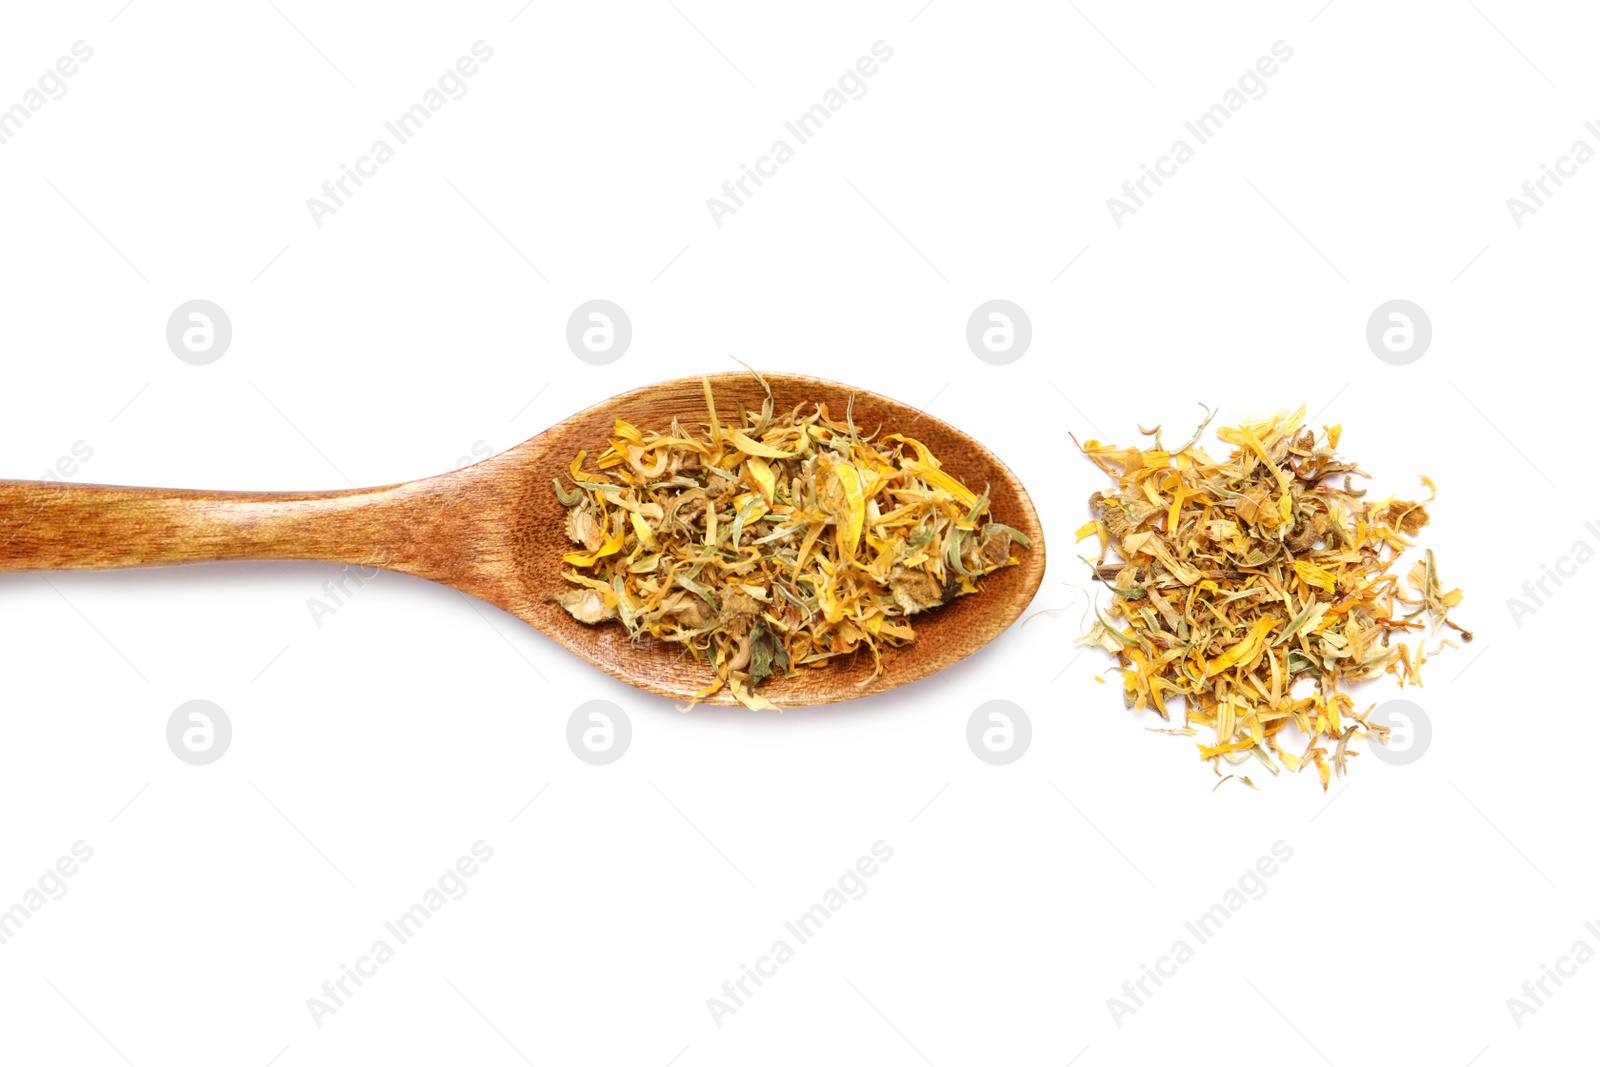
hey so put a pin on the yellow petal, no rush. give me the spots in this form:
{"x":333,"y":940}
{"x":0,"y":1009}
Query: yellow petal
{"x":848,"y":530}
{"x":1312,"y":574}
{"x":750,"y":698}
{"x":612,"y":546}
{"x":1210,"y":751}
{"x":646,"y":535}
{"x":702,"y":694}
{"x":940,"y":480}
{"x":761,"y":474}
{"x":1246,"y":650}
{"x":756,"y":448}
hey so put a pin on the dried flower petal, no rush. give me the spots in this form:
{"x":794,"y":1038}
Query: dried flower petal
{"x":1242,"y":577}
{"x":780,"y":541}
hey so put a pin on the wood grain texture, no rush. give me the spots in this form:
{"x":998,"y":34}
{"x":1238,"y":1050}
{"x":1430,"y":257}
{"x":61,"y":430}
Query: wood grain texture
{"x":495,"y":530}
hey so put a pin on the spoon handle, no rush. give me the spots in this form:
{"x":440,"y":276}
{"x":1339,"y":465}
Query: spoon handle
{"x":58,"y":526}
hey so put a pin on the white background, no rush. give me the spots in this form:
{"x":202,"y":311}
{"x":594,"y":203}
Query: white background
{"x":427,"y":317}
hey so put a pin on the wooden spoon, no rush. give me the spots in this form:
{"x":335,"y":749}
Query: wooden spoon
{"x":495,"y":530}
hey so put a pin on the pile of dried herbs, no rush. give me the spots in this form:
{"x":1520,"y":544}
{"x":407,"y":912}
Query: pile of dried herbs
{"x":1239,"y":578}
{"x":773,"y":542}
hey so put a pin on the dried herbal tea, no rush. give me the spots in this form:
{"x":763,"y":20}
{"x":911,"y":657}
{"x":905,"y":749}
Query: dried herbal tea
{"x":1236,"y":579}
{"x":772,"y":542}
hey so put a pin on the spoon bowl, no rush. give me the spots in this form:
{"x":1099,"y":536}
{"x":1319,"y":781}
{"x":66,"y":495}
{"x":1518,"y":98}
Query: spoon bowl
{"x":496,"y":531}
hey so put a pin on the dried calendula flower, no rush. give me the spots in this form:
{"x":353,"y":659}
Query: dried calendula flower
{"x":1236,"y":579}
{"x":773,"y":542}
